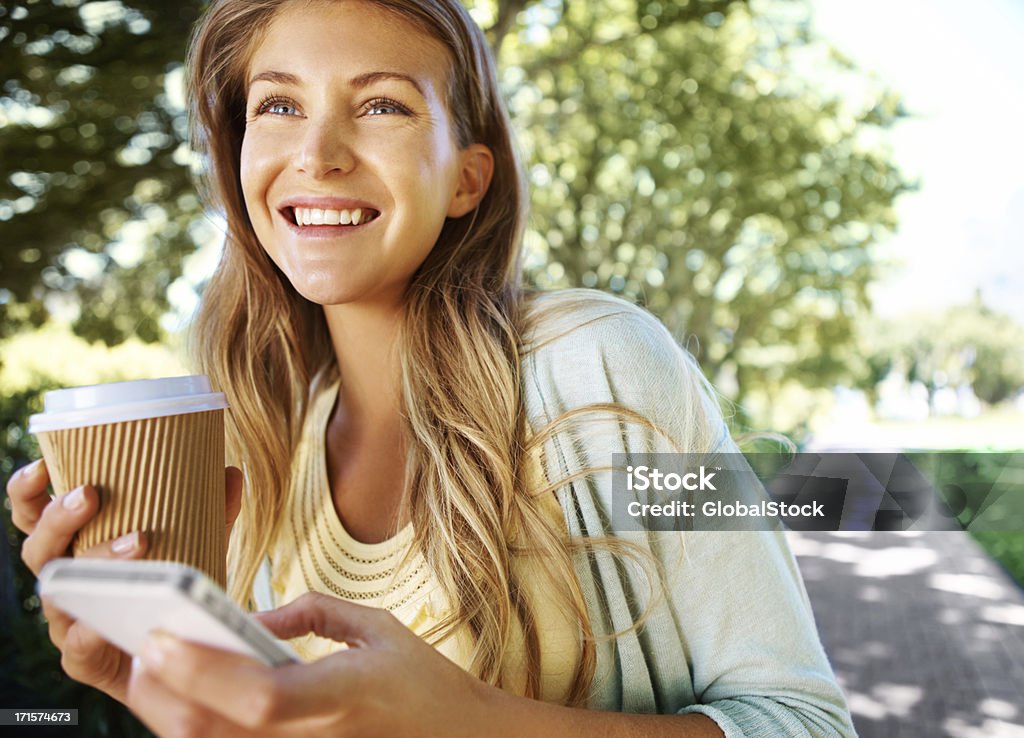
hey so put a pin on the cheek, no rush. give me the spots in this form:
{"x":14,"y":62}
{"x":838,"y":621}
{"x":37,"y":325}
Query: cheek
{"x":255,"y":170}
{"x":254,"y":175}
{"x":249,"y":174}
{"x":435,"y":180}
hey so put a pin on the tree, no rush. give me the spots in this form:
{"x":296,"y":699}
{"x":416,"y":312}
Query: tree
{"x":97,"y":195}
{"x":968,"y":344}
{"x":675,"y":157}
{"x":678,"y":159}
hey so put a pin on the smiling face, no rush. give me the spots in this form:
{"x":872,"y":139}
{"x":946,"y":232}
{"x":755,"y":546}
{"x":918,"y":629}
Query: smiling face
{"x":349,"y":165}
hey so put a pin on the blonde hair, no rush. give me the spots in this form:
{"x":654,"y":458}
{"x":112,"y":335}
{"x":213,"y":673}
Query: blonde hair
{"x":262,"y":344}
{"x":459,"y":345}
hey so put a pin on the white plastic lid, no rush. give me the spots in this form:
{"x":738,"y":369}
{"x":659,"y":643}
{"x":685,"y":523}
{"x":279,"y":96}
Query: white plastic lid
{"x":118,"y":402}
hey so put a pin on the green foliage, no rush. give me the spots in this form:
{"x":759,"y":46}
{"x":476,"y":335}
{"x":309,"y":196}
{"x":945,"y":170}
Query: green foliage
{"x":674,"y":154}
{"x":978,"y":475}
{"x":92,"y":142}
{"x":1006,"y":547}
{"x":682,"y":162}
{"x":977,"y":489}
{"x":963,"y":344}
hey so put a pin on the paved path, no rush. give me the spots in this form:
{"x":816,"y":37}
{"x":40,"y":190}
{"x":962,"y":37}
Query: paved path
{"x":925,"y":632}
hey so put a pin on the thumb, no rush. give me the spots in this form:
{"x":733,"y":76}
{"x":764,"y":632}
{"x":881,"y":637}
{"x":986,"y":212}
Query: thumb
{"x":330,"y":617}
{"x":233,"y":482}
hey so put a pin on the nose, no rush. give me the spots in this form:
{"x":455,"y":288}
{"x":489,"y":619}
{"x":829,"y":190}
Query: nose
{"x":324,"y":149}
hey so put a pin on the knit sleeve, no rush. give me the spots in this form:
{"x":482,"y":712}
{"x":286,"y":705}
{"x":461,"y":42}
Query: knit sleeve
{"x":736,"y":639}
{"x":757,"y":664}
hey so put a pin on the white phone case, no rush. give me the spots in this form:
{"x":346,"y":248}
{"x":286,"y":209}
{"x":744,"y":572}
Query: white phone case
{"x":125,"y":600}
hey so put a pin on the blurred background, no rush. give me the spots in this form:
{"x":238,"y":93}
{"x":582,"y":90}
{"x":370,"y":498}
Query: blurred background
{"x":822,"y":199}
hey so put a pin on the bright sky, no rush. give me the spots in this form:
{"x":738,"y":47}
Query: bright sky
{"x":960,"y":69}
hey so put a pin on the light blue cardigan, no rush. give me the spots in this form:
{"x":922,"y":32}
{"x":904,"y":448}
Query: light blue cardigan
{"x":735,"y":638}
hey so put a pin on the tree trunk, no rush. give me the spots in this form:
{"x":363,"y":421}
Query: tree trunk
{"x":507,"y":11}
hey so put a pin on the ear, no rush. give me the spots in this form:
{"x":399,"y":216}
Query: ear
{"x":474,"y":179}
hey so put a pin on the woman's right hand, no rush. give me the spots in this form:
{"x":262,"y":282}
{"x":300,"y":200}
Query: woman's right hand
{"x":51,"y":525}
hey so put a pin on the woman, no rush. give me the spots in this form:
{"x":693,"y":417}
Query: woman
{"x":425,"y":445}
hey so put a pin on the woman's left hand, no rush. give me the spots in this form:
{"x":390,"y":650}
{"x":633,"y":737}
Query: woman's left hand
{"x":389,"y":682}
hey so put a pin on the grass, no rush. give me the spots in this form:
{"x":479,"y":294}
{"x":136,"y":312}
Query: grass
{"x":1006,"y":547}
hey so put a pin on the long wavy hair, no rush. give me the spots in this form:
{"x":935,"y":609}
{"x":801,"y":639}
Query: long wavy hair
{"x":459,"y":343}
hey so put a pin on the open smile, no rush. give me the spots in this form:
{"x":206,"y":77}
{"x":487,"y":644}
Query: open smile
{"x":302,"y":216}
{"x":305,"y":219}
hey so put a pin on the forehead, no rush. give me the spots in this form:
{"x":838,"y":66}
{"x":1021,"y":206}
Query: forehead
{"x":348,"y":37}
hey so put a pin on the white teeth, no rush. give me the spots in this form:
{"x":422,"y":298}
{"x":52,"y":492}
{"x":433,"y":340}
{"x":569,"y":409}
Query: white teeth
{"x":318,"y":216}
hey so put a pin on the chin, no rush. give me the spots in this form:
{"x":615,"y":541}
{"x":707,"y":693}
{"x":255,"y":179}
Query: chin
{"x":319,"y":285}
{"x":343,"y":292}
{"x":322,"y":294}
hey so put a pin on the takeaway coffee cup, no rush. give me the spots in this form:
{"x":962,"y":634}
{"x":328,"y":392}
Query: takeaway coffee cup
{"x":154,"y":450}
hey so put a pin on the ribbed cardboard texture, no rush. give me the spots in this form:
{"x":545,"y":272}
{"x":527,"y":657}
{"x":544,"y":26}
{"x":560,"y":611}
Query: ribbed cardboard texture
{"x":162,"y":476}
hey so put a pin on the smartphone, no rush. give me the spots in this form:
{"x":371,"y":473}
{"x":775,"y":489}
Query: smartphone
{"x":124,"y":600}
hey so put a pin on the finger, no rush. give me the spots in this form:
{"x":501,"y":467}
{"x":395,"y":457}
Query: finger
{"x":129,"y":546}
{"x":89,"y":658}
{"x":86,"y":656}
{"x":330,"y":617}
{"x":57,"y":622}
{"x":81,"y":638}
{"x":27,"y":489}
{"x":57,"y":528}
{"x":166,"y":712}
{"x":61,"y":519}
{"x":246,"y":692}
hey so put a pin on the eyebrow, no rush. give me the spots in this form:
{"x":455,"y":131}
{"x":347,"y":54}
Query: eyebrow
{"x":360,"y":81}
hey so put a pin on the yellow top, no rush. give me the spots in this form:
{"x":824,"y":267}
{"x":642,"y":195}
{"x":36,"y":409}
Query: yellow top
{"x":314,"y":552}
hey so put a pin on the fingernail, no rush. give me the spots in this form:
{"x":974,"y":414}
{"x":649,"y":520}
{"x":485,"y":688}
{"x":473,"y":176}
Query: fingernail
{"x":126,"y":543}
{"x":137,"y":666}
{"x":75,"y":499}
{"x":30,"y":470}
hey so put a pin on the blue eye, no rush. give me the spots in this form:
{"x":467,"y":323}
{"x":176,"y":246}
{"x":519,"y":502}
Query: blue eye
{"x":385,"y":106}
{"x":281,"y":108}
{"x":381,"y":109}
{"x":275,"y":106}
